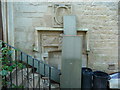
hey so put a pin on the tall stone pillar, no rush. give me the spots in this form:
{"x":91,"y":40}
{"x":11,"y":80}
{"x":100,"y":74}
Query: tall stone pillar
{"x":71,"y":55}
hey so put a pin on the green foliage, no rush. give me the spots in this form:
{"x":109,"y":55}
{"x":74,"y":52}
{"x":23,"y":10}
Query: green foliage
{"x":8,"y":65}
{"x":3,"y":72}
{"x":14,"y":86}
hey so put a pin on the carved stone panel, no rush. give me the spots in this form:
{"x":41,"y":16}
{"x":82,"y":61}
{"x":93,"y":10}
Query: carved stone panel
{"x":51,"y":47}
{"x":59,"y":11}
{"x":49,"y":41}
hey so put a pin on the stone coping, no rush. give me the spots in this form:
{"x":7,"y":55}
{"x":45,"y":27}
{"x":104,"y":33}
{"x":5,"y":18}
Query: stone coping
{"x":57,"y":29}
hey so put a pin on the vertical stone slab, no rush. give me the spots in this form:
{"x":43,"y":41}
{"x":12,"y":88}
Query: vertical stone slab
{"x":70,"y":25}
{"x":71,"y":62}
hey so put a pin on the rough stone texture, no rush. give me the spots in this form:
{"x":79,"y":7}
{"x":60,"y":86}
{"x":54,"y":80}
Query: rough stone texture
{"x":101,"y":18}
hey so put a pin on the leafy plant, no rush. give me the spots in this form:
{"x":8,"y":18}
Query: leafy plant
{"x":8,"y":65}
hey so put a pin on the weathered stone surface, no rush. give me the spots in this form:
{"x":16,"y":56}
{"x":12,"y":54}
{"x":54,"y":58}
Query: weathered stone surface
{"x":99,"y":17}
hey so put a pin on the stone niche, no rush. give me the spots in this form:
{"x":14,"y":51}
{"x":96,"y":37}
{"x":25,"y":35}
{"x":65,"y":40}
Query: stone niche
{"x":50,"y":41}
{"x":49,"y":45}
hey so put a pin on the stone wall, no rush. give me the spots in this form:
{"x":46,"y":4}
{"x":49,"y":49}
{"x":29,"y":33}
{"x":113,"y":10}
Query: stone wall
{"x":99,"y":18}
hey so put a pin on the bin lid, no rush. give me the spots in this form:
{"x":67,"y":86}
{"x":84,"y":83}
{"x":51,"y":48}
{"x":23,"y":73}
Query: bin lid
{"x":115,"y":75}
{"x":85,"y":69}
{"x":101,"y":74}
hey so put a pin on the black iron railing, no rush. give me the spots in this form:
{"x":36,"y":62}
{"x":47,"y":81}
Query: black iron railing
{"x":23,"y":71}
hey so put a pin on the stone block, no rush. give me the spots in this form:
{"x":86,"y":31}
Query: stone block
{"x":19,"y":22}
{"x":30,"y":8}
{"x":29,"y":15}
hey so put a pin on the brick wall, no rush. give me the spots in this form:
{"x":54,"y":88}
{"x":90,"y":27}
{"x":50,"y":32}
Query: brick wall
{"x":99,"y":17}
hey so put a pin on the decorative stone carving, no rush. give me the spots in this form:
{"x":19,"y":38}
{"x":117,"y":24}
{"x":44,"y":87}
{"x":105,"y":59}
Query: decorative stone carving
{"x":59,"y":11}
{"x":48,"y":44}
{"x":49,"y":41}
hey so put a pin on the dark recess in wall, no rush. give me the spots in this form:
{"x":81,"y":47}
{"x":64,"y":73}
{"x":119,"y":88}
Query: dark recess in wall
{"x":1,"y":27}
